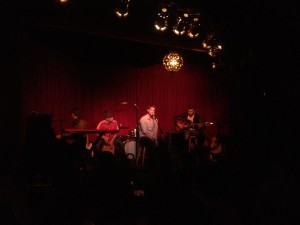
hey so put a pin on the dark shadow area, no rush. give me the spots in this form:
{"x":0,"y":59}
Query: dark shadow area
{"x":109,"y":191}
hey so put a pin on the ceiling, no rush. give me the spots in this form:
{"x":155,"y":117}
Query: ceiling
{"x":98,"y":18}
{"x":239,"y":24}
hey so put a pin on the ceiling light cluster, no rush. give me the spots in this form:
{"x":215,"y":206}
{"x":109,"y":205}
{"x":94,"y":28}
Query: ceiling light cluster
{"x":213,"y":44}
{"x":214,"y":47}
{"x":184,"y":21}
{"x":181,"y":21}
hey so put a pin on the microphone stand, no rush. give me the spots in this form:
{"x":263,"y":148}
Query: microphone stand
{"x":161,"y":132}
{"x":137,"y":138}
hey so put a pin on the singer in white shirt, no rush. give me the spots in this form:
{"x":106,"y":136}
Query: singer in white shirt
{"x":148,"y":130}
{"x":149,"y":125}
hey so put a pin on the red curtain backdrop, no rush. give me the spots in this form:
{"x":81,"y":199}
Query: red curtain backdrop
{"x":54,"y":81}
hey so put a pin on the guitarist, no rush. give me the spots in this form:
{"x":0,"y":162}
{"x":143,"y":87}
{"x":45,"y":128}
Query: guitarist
{"x":189,"y":123}
{"x":109,"y":141}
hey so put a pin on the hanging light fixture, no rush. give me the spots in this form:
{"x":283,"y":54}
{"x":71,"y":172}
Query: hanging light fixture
{"x":182,"y":23}
{"x":161,"y":22}
{"x":122,"y":9}
{"x":194,"y":27}
{"x":173,"y":61}
{"x":212,"y":44}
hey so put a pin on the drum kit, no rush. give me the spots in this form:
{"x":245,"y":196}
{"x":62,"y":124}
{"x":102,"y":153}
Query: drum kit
{"x":130,"y":144}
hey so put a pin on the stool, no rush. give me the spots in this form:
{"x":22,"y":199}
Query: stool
{"x":192,"y":140}
{"x":141,"y":156}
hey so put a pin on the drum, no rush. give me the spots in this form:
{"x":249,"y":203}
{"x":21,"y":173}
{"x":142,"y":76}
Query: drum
{"x":132,"y":133}
{"x":124,"y":138}
{"x":130,"y":149}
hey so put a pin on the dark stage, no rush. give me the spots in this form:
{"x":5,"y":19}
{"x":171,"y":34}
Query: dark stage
{"x":179,"y":189}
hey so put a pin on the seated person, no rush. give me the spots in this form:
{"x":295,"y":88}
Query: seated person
{"x":110,"y":140}
{"x":189,"y":124}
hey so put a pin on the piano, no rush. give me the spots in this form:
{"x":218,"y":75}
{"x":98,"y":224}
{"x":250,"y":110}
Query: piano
{"x":88,"y":131}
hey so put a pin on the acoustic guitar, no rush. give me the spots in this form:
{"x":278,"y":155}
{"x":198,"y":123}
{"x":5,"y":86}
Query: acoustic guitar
{"x":187,"y":125}
{"x":191,"y":125}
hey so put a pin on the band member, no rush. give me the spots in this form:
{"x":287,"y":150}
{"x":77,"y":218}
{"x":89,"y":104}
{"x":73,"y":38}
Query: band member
{"x":78,"y":141}
{"x":110,"y":140}
{"x":148,"y":132}
{"x":78,"y":122}
{"x":190,"y":124}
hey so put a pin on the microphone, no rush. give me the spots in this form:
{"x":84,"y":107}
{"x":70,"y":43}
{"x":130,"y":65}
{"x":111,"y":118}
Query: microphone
{"x":135,"y":105}
{"x":124,"y":103}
